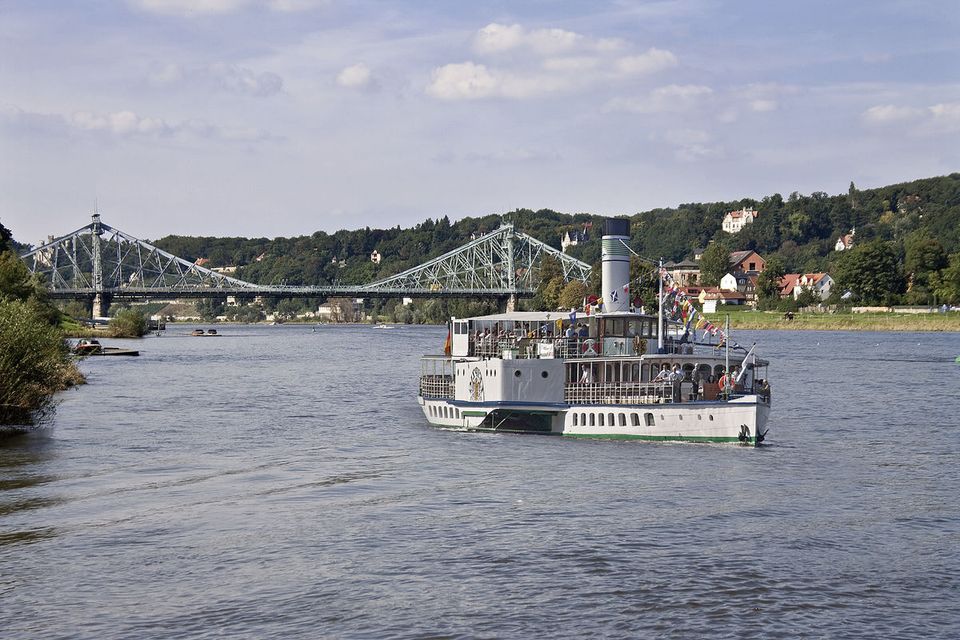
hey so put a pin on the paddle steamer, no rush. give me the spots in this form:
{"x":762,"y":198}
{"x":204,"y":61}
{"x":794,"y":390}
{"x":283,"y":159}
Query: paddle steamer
{"x":615,"y":373}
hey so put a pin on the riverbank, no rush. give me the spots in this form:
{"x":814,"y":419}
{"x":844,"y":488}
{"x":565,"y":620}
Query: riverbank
{"x":746,"y":319}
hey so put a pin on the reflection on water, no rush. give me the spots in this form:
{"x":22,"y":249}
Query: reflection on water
{"x":281,"y":481}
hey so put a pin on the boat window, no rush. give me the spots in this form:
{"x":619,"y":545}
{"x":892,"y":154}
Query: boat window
{"x":583,"y":419}
{"x":711,"y":416}
{"x":611,"y":420}
{"x":544,"y":374}
{"x":593,"y":420}
{"x":575,"y":420}
{"x":517,"y":373}
{"x":648,"y":418}
{"x":623,"y":420}
{"x":699,"y":417}
{"x":634,"y":420}
{"x":458,"y":414}
{"x":601,"y":420}
{"x":680,"y":416}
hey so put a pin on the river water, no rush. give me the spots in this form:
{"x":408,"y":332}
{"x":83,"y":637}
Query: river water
{"x":279,"y":482}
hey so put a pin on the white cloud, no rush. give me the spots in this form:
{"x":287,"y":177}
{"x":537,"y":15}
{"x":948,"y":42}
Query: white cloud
{"x":463,"y":81}
{"x":495,"y":38}
{"x":121,"y":123}
{"x":357,"y":76}
{"x":882,"y":114}
{"x":221,"y":76}
{"x":763,"y":105}
{"x":499,"y":38}
{"x":946,"y":115}
{"x":671,"y":98}
{"x":650,"y":62}
{"x":553,"y":60}
{"x":943,"y":117}
{"x":690,"y":145}
{"x":553,"y":41}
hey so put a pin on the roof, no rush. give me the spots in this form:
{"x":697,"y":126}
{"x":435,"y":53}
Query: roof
{"x":738,"y":257}
{"x":788,"y":282}
{"x":683,"y":264}
{"x":712,"y":293}
{"x":742,"y":212}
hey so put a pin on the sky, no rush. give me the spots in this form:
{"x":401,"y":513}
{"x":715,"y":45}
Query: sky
{"x":265,"y":118}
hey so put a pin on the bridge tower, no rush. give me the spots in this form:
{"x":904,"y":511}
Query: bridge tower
{"x":101,"y":299}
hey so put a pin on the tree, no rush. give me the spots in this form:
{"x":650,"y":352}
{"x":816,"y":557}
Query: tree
{"x":768,"y":284}
{"x":714,"y":264}
{"x":946,"y":283}
{"x":5,"y":236}
{"x":572,"y":295}
{"x":128,"y":323}
{"x":924,"y":255}
{"x":872,"y":271}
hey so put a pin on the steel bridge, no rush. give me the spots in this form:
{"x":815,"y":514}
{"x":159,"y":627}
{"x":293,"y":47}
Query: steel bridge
{"x":100,"y":263}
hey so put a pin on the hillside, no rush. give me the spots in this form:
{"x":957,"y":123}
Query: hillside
{"x":799,"y":230}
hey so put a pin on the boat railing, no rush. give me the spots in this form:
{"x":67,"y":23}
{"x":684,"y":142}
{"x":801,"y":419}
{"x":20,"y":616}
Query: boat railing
{"x":437,"y":386}
{"x":629,"y":392}
{"x":555,"y":347}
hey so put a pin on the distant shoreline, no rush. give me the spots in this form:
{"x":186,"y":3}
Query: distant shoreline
{"x":903,"y":322}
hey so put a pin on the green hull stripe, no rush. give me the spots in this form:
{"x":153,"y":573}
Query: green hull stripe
{"x":626,"y":436}
{"x":480,"y":414}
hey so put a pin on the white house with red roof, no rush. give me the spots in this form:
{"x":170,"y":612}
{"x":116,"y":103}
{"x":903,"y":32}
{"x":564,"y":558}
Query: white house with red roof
{"x":734,"y":221}
{"x":793,"y":284}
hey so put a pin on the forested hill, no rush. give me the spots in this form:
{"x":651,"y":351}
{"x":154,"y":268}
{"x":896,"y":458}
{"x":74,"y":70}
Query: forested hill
{"x":800,"y":230}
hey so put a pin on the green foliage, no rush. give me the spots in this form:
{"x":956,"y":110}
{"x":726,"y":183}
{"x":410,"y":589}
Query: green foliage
{"x":128,"y":323}
{"x":34,"y":361}
{"x":768,"y":284}
{"x":872,"y":271}
{"x":5,"y":237}
{"x":946,"y":283}
{"x":715,"y":264}
{"x":572,"y":295}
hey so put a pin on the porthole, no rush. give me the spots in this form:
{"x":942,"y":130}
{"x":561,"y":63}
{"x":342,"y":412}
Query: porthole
{"x":543,"y":374}
{"x":699,"y":417}
{"x":661,"y":416}
{"x":516,"y":373}
{"x":711,"y":416}
{"x":680,"y":416}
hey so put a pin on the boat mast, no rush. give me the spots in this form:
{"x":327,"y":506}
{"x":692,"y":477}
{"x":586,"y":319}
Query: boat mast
{"x":726,"y":348}
{"x":660,"y":310}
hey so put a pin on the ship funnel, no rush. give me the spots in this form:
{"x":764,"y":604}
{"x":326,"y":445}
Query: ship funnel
{"x":616,"y":265}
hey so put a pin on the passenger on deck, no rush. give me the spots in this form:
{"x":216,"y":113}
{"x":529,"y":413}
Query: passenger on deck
{"x":664,"y":375}
{"x":586,"y":377}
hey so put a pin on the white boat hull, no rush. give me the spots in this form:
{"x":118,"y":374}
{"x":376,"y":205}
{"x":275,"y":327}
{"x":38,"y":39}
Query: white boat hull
{"x":742,"y":420}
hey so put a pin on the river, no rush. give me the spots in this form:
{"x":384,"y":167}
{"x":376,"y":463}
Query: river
{"x":279,"y":482}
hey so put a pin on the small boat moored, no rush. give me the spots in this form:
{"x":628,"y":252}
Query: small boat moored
{"x":92,"y":347}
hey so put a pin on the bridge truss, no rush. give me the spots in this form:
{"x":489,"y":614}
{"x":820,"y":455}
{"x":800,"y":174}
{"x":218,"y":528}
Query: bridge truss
{"x":100,"y":262}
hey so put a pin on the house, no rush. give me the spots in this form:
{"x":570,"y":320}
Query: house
{"x":201,"y":262}
{"x":573,"y":238}
{"x":734,"y":221}
{"x":741,"y":282}
{"x":684,"y":273}
{"x":793,"y":284}
{"x":749,"y":262}
{"x":375,"y":257}
{"x":845,"y":242}
{"x":711,"y":297}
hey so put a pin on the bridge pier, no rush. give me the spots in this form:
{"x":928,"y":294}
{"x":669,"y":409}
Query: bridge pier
{"x":101,"y":305}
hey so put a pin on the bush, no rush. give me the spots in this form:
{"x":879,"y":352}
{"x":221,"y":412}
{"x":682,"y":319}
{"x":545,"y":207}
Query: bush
{"x":34,"y":362}
{"x":128,"y":324}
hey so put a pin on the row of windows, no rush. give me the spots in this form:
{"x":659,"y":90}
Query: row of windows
{"x":444,"y":412}
{"x":611,"y":419}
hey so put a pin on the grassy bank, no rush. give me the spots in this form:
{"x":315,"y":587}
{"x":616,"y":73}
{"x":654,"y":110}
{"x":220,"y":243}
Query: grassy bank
{"x":743,"y":319}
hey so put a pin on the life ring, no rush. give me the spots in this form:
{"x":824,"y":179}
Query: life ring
{"x":589,"y":347}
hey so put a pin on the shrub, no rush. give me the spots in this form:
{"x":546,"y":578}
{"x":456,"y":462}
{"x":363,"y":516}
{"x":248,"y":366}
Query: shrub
{"x":128,"y":324}
{"x":34,"y":361}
